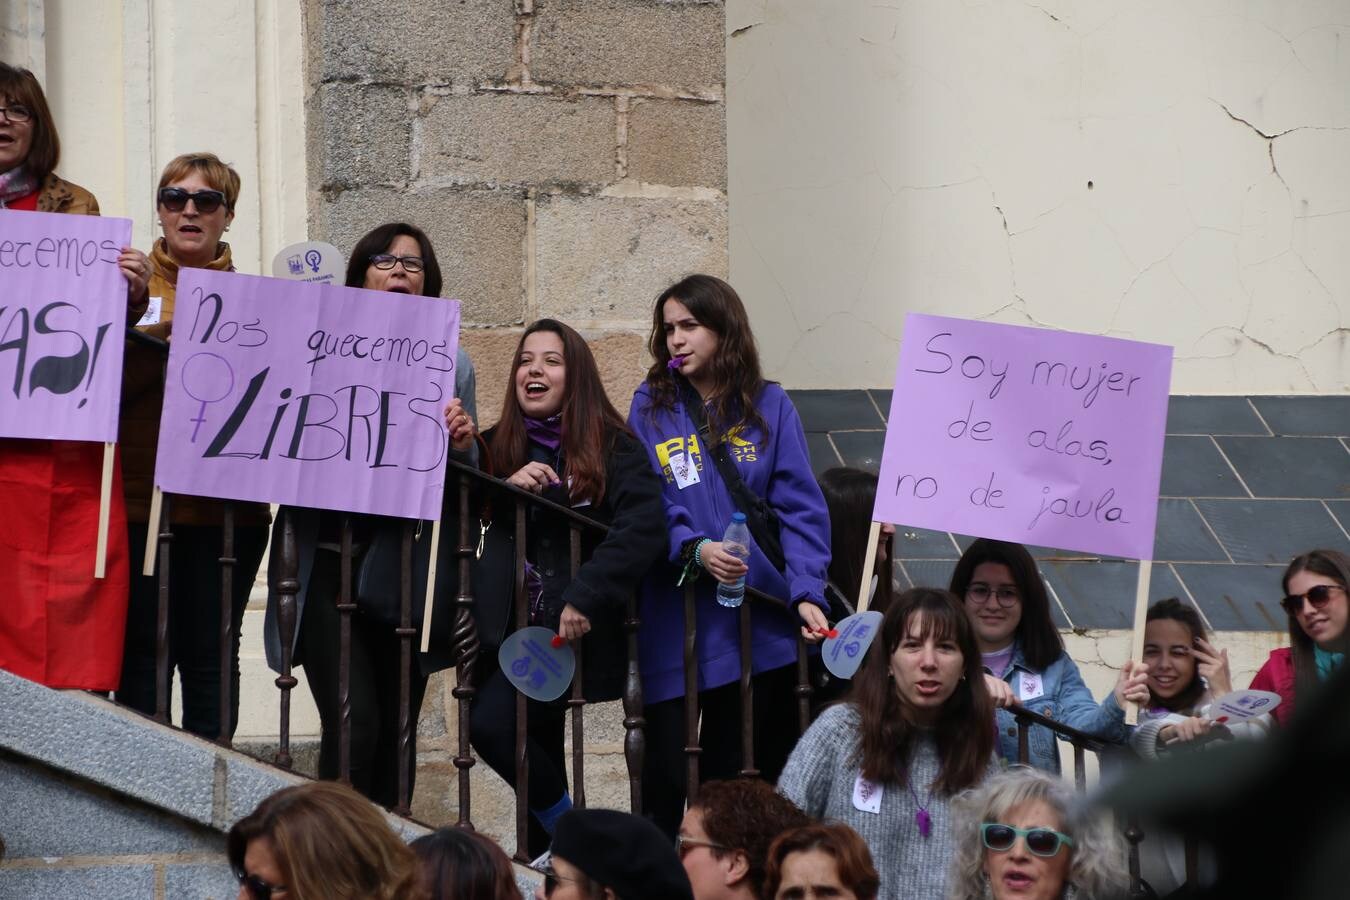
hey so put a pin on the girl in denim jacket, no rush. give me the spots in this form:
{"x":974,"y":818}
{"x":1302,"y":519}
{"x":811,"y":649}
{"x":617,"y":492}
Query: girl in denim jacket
{"x":1024,"y":657}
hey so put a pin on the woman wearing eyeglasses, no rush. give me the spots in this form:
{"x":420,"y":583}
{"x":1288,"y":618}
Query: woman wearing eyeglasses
{"x":196,"y":204}
{"x":61,"y":626}
{"x":1021,"y":834}
{"x":1315,"y":599}
{"x":396,"y":258}
{"x":1024,"y":658}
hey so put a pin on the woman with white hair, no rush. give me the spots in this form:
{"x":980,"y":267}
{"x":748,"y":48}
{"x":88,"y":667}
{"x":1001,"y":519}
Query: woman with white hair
{"x":1024,"y":834}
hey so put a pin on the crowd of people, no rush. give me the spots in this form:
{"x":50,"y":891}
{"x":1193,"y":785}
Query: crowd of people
{"x":902,"y":786}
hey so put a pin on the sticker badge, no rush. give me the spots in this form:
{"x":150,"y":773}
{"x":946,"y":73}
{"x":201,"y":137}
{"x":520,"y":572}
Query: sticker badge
{"x":686,"y":474}
{"x":866,"y":796}
{"x":152,"y":312}
{"x":1029,"y":686}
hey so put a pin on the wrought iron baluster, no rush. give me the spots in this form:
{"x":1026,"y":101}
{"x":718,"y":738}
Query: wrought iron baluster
{"x":162,"y":673}
{"x":405,"y":633}
{"x":228,"y":562}
{"x":577,"y":702}
{"x":465,"y":649}
{"x":691,"y":746}
{"x":288,"y":585}
{"x":346,"y":605}
{"x":803,"y":686}
{"x":1023,"y":749}
{"x":522,"y":702}
{"x":748,"y":769}
{"x":634,"y":725}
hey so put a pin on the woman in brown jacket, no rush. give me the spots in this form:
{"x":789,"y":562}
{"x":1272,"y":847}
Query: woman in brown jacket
{"x":61,"y":626}
{"x":196,"y":201}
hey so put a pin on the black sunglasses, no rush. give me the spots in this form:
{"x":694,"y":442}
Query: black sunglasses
{"x":175,"y":200}
{"x":387,"y":261}
{"x":1319,"y":595}
{"x":256,"y":887}
{"x":1040,"y":841}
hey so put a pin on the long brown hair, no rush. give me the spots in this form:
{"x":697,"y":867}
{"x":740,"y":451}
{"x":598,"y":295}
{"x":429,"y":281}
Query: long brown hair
{"x":1036,"y":633}
{"x":330,"y":844}
{"x":590,"y":422}
{"x":965,"y":724}
{"x":1331,"y":564}
{"x":736,"y":376}
{"x":21,"y":86}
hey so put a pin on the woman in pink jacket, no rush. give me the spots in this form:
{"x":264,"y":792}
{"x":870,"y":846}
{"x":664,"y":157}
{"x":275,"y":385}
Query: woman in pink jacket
{"x":1315,"y":599}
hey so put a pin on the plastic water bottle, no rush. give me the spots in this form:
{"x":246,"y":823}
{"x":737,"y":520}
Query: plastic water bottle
{"x":735,"y":541}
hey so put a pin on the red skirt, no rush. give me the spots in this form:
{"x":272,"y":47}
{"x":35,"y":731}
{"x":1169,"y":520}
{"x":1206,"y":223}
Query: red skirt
{"x":58,"y":624}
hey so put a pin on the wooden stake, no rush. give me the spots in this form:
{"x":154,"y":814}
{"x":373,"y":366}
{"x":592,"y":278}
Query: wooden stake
{"x":869,"y":566}
{"x":104,"y":510}
{"x":431,"y":584}
{"x":152,"y":532}
{"x":1137,"y":637}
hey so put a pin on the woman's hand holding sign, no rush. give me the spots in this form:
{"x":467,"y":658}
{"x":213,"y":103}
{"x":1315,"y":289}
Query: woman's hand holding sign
{"x":460,"y":425}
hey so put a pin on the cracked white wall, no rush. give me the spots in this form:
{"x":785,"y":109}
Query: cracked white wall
{"x":1177,"y":173}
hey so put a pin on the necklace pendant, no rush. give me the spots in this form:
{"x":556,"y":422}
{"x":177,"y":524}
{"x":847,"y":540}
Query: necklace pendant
{"x":924,"y":821}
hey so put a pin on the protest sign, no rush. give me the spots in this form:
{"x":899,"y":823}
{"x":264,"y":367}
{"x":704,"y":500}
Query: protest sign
{"x":63,"y":308}
{"x":1027,"y":435}
{"x":307,"y":394}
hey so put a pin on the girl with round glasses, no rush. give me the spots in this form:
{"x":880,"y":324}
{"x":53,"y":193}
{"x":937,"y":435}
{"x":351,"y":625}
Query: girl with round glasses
{"x":1023,"y":656}
{"x":1315,"y":599}
{"x":1023,"y":834}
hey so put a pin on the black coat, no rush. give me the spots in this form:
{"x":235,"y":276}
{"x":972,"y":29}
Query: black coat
{"x":611,"y":565}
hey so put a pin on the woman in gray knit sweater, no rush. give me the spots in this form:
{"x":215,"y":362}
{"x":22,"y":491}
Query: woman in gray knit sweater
{"x":917,"y":729}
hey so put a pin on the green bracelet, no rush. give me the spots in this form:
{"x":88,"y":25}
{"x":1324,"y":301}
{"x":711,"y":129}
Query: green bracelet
{"x":698,"y":551}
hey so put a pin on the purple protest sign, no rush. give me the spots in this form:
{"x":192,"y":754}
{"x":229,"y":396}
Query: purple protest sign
{"x":1026,"y":434}
{"x":307,"y":394}
{"x":63,"y":308}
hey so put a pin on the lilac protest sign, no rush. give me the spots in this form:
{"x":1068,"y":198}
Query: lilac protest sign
{"x":307,"y":394}
{"x":1026,"y":434}
{"x":63,"y":308}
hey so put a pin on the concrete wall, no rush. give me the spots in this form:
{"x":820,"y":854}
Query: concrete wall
{"x":1167,"y":172}
{"x":567,"y":157}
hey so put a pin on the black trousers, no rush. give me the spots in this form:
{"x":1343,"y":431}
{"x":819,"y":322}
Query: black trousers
{"x":664,"y":767}
{"x":374,"y":688}
{"x":493,"y":729}
{"x":194,"y":621}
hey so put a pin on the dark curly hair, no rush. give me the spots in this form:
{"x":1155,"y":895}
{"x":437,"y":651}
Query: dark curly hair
{"x":1174,"y":610}
{"x":746,"y":815}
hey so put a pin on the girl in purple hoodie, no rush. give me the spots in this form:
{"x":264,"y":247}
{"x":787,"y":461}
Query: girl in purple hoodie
{"x":705,"y":353}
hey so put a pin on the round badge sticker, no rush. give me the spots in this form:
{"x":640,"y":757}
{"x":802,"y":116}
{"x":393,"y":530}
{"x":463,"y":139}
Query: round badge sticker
{"x":1241,"y":705}
{"x":844,"y":652}
{"x":538,"y":669}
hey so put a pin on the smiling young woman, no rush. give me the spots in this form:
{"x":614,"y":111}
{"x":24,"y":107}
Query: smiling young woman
{"x":914,"y":732}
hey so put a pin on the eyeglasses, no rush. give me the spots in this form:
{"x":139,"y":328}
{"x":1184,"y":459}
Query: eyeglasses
{"x":552,"y":879}
{"x":175,"y":200}
{"x":17,"y":113}
{"x":1319,"y":595}
{"x":386,"y":261}
{"x":256,"y":887}
{"x":684,"y":844}
{"x":1040,"y":841}
{"x":980,"y":593}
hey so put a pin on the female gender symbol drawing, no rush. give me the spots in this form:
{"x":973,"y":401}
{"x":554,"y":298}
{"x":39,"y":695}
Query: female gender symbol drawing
{"x":206,"y":382}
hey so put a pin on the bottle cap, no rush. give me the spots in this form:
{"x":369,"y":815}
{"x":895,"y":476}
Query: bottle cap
{"x":738,"y":517}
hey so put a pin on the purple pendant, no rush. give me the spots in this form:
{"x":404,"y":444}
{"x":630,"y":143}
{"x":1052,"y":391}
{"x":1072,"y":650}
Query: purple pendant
{"x":924,"y":821}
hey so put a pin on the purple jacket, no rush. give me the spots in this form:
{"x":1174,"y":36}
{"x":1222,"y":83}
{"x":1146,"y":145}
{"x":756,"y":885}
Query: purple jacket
{"x":779,"y":470}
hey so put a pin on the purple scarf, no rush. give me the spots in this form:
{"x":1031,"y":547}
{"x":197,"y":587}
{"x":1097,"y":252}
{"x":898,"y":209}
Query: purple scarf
{"x":545,"y":432}
{"x":17,"y":182}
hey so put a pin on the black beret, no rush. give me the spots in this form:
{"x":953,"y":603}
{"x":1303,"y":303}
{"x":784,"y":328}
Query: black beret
{"x":623,"y":852}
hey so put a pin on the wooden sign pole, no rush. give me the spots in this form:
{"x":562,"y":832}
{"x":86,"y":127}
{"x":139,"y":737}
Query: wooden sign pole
{"x":431,"y":584}
{"x":1137,"y":637}
{"x":152,"y":532}
{"x":104,"y":510}
{"x":869,"y":566}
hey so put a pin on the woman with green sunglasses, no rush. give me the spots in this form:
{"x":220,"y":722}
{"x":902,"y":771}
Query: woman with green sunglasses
{"x":1020,"y":834}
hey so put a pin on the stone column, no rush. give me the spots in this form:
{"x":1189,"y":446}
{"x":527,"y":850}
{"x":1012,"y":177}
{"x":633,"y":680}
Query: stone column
{"x":567,"y":157}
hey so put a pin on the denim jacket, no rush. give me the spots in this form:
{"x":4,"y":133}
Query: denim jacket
{"x":1062,"y":696}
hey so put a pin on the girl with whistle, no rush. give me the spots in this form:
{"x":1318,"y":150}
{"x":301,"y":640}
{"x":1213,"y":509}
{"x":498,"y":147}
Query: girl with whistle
{"x":705,"y":395}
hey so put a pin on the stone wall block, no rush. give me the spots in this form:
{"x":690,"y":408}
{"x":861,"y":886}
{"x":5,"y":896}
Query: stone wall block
{"x":364,"y":135}
{"x":479,"y":238}
{"x":518,"y":139}
{"x":624,"y":42}
{"x":414,"y":41}
{"x":678,"y":143}
{"x":606,"y":259}
{"x":91,"y":881}
{"x":491,"y":351}
{"x":200,"y":880}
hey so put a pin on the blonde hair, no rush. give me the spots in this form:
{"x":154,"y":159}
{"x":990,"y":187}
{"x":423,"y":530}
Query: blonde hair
{"x":221,"y":176}
{"x":1097,"y":866}
{"x":330,"y":844}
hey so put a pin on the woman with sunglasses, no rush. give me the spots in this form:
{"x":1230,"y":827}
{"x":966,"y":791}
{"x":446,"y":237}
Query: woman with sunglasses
{"x":914,"y":733}
{"x":61,"y":626}
{"x":196,"y":203}
{"x":396,"y":258}
{"x":1022,"y":835}
{"x":1315,"y":600}
{"x":320,"y":841}
{"x":1023,"y":656}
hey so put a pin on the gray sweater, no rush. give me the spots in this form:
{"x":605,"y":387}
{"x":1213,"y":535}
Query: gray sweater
{"x":821,"y":777}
